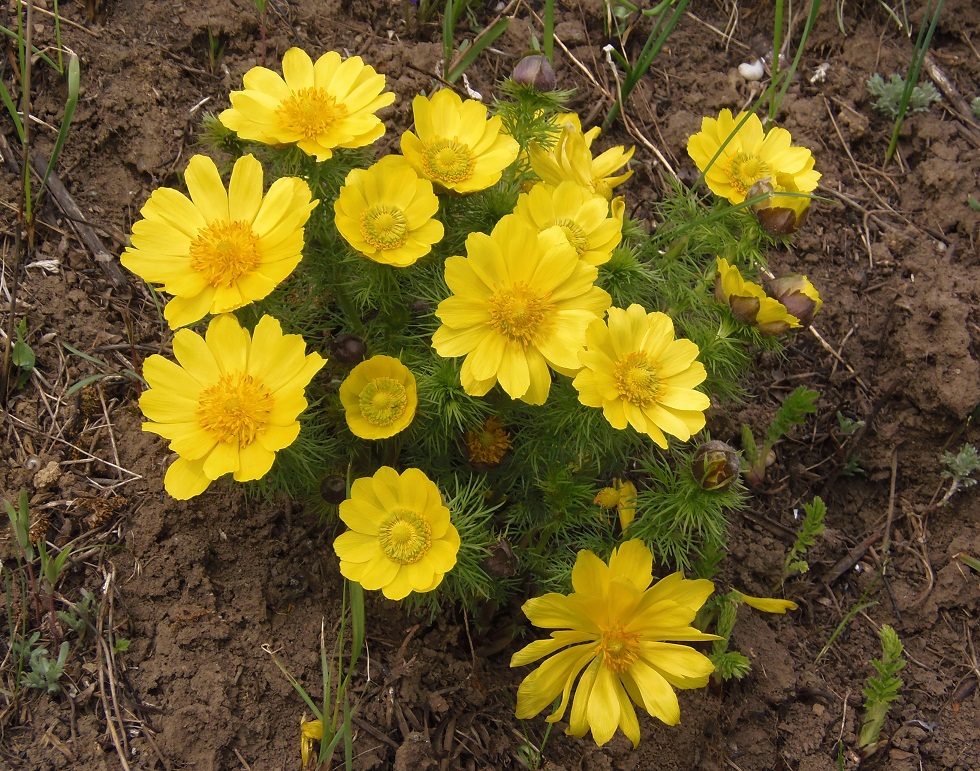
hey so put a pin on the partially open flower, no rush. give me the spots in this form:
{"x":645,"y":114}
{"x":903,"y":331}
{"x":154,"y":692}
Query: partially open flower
{"x":715,"y":465}
{"x":310,"y":732}
{"x":799,"y":296}
{"x":536,"y":72}
{"x":749,"y":302}
{"x":379,"y":398}
{"x":779,"y":215}
{"x":571,"y":158}
{"x":622,"y":497}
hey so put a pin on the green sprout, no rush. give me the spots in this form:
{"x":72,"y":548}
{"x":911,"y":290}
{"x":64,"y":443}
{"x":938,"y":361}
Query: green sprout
{"x":881,"y":691}
{"x":806,"y":537}
{"x":959,"y":470}
{"x":792,"y":412}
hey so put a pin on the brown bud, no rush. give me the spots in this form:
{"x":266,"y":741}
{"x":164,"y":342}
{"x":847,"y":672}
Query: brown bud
{"x":779,"y":215}
{"x":798,"y":295}
{"x":744,"y":308}
{"x":715,"y":465}
{"x":536,"y":72}
{"x":348,"y":349}
{"x":501,"y":562}
{"x":333,"y":489}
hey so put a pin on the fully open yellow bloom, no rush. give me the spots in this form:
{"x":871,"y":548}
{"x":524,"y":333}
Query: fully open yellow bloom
{"x":386,"y":212}
{"x":571,"y":158}
{"x":400,"y":538}
{"x":217,"y":251}
{"x":584,"y":217}
{"x":229,"y":402}
{"x":318,"y":107}
{"x":457,"y":147}
{"x":618,"y":631}
{"x":749,"y":302}
{"x":750,"y":156}
{"x":521,"y":302}
{"x":636,"y":371}
{"x":379,"y":398}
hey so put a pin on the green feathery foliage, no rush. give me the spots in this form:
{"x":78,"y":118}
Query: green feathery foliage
{"x":728,"y":664}
{"x":811,"y":527}
{"x":792,"y":412}
{"x":881,"y":691}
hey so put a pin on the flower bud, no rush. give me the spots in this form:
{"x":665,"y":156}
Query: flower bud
{"x":715,"y":465}
{"x":779,"y":215}
{"x":798,"y":295}
{"x":744,"y":309}
{"x":333,"y":489}
{"x":501,"y":562}
{"x":536,"y":72}
{"x":348,"y":349}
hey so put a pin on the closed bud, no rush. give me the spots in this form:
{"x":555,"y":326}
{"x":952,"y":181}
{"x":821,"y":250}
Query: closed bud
{"x":501,"y":562}
{"x":715,"y":465}
{"x":798,"y":295}
{"x":779,"y":215}
{"x":333,"y":489}
{"x":536,"y":72}
{"x":348,"y":349}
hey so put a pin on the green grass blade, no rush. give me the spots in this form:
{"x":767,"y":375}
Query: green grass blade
{"x":483,"y":41}
{"x":8,"y":102}
{"x":74,"y":78}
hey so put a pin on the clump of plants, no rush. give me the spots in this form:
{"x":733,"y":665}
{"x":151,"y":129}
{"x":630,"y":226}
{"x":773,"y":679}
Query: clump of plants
{"x":888,"y":95}
{"x":471,"y":355}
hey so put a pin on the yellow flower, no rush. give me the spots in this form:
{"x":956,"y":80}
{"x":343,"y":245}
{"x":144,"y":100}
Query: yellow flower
{"x":749,"y":302}
{"x":379,"y":398}
{"x":217,"y":251}
{"x":622,"y":497}
{"x":400,"y":538}
{"x":779,"y":215}
{"x":750,"y":156}
{"x":386,"y":211}
{"x":489,"y":443}
{"x":618,"y":630}
{"x":583,"y":217}
{"x":766,"y":604}
{"x":636,"y":371}
{"x":229,"y":402}
{"x":310,"y":731}
{"x":318,"y":107}
{"x":457,"y":147}
{"x":571,"y":159}
{"x":521,"y":302}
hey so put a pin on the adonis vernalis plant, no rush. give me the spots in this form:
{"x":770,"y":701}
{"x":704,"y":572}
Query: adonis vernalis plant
{"x":509,"y":356}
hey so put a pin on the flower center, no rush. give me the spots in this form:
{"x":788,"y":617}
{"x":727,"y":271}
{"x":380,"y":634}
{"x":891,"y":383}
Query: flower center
{"x":518,"y":313}
{"x":383,"y":401}
{"x":575,"y":234}
{"x":448,"y":160}
{"x":489,"y":443}
{"x":236,"y":408}
{"x":384,"y":226}
{"x":617,"y":648}
{"x":309,"y":112}
{"x":744,"y":170}
{"x":636,"y":379}
{"x":404,"y":536}
{"x":225,"y":251}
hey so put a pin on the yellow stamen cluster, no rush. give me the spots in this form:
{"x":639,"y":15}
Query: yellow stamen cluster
{"x":225,"y":251}
{"x":310,"y":112}
{"x":404,"y":537}
{"x":235,"y":408}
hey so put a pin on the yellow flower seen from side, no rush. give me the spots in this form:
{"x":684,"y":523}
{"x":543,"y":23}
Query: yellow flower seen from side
{"x":316,"y":106}
{"x":750,"y":156}
{"x":379,"y":398}
{"x":639,"y":375}
{"x":571,"y":159}
{"x":386,"y":212}
{"x":229,"y":402}
{"x":489,"y":443}
{"x":592,"y":226}
{"x":219,"y":249}
{"x":456,"y":145}
{"x":749,"y":302}
{"x":622,"y":497}
{"x":310,"y":732}
{"x":401,"y":539}
{"x":616,"y":637}
{"x":521,"y":303}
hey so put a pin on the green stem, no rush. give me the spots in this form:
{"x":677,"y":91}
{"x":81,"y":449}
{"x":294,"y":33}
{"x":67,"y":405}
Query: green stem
{"x":777,"y":44}
{"x":548,"y":38}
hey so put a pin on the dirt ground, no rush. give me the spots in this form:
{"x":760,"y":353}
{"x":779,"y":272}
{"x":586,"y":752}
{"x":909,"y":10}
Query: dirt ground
{"x":204,"y":589}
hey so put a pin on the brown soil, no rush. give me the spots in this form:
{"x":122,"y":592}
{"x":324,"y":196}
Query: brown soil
{"x":202,"y":588}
